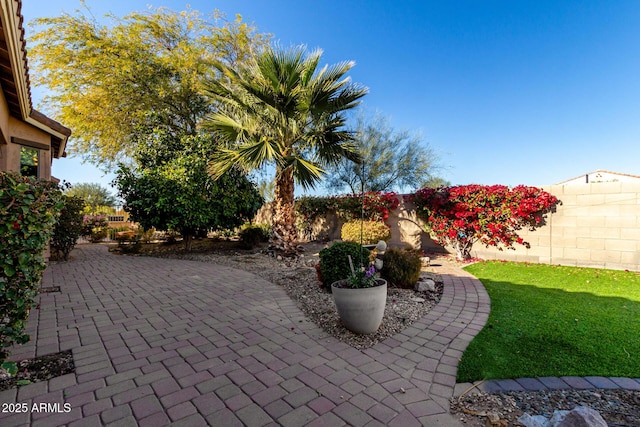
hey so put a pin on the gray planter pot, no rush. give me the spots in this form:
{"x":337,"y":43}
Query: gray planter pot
{"x":361,"y":310}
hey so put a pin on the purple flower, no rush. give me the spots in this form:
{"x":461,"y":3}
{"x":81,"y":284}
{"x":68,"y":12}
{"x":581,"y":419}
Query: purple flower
{"x":370,"y":272}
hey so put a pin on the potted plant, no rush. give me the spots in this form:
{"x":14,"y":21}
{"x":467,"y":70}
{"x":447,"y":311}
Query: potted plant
{"x":360,"y":299}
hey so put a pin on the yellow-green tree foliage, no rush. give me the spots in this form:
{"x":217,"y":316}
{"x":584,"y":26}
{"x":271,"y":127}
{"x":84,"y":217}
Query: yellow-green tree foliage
{"x":109,"y":81}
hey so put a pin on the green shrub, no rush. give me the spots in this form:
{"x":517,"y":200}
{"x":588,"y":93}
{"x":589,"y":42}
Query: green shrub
{"x":251,"y":235}
{"x":112,"y":231}
{"x":334,"y":261}
{"x":95,"y":227}
{"x":145,"y":236}
{"x":401,"y":267}
{"x":28,"y":214}
{"x":98,"y":235}
{"x":68,"y":228}
{"x":372,"y":232}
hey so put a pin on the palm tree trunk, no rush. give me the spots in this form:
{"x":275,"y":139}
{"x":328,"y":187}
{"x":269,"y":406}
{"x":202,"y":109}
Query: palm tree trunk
{"x":285,"y":236}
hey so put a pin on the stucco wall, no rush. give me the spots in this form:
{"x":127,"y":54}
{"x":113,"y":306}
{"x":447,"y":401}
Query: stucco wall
{"x":597,"y":225}
{"x":10,"y":152}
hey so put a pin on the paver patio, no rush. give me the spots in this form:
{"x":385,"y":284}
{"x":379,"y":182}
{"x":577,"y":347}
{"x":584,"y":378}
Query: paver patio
{"x":163,"y":341}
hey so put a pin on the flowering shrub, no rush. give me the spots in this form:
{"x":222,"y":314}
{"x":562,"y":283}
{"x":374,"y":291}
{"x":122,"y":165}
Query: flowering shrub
{"x":28,"y":212}
{"x":95,"y":227}
{"x":363,"y":278}
{"x":68,"y":228}
{"x":376,"y":206}
{"x":493,"y":215}
{"x":370,"y":232}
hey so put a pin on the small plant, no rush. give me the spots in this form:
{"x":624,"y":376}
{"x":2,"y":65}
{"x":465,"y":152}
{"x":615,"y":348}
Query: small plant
{"x":372,"y":232}
{"x":95,"y":227}
{"x":334,"y":261}
{"x":401,"y":267}
{"x":68,"y":228}
{"x":363,"y":278}
{"x":251,"y":235}
{"x":145,"y":236}
{"x":98,"y":235}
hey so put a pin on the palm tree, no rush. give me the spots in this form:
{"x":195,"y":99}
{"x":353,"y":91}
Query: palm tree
{"x":282,"y":109}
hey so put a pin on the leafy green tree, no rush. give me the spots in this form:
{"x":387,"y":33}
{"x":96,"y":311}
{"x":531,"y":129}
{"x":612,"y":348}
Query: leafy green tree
{"x":393,"y":160}
{"x":93,"y":194}
{"x":178,"y":194}
{"x":282,"y":109}
{"x":435,"y":182}
{"x":106,"y":80}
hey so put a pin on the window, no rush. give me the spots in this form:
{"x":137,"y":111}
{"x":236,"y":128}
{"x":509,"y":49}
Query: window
{"x":29,"y":161}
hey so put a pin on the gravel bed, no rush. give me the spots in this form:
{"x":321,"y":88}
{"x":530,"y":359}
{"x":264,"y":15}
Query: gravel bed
{"x":38,"y":369}
{"x":298,"y":278}
{"x":617,"y":407}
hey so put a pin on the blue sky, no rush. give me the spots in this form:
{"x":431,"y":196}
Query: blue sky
{"x":508,"y":92}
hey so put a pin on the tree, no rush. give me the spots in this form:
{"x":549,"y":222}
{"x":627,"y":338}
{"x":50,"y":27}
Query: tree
{"x":282,"y":109}
{"x":178,"y":193}
{"x":463,"y":215}
{"x":108,"y":80}
{"x":393,"y":160}
{"x":94,"y":195}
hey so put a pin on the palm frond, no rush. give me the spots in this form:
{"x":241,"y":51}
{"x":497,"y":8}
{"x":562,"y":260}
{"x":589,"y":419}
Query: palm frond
{"x":221,"y":162}
{"x":282,"y":108}
{"x":306,"y":173}
{"x":225,"y":126}
{"x":255,"y":154}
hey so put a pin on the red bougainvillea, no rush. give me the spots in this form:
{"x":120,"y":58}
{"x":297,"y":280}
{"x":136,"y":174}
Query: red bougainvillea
{"x":377,"y":206}
{"x":462,"y":215}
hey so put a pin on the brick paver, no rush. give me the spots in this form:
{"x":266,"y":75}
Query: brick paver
{"x":159,"y":341}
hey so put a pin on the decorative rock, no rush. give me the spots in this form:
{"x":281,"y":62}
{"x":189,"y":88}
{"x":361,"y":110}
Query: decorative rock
{"x":417,"y":299}
{"x":493,"y":420}
{"x":533,"y":421}
{"x":425,"y":285}
{"x":582,"y":416}
{"x":557,"y":417}
{"x":425,"y":260}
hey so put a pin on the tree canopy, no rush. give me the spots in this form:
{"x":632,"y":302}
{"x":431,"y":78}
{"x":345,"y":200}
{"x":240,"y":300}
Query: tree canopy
{"x":108,"y":80}
{"x":94,"y":195}
{"x":284,"y":110}
{"x":391,"y":160}
{"x":176,"y":192}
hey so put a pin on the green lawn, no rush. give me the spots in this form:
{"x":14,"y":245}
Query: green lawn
{"x":549,"y":320}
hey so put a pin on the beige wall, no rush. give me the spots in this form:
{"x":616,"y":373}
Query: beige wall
{"x":597,"y":225}
{"x":10,"y":152}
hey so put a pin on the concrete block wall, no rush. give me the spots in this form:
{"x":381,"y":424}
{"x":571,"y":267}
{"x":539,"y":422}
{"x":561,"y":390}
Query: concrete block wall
{"x":597,"y":225}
